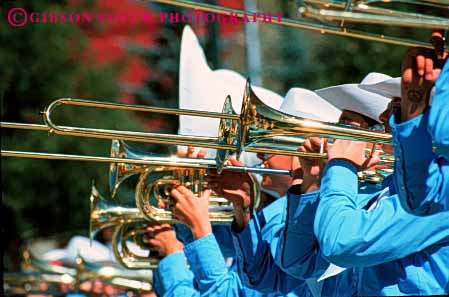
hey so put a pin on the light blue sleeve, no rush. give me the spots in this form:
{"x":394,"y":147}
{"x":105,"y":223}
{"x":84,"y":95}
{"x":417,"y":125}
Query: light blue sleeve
{"x":439,"y":114}
{"x":208,"y":266}
{"x":222,"y":234}
{"x":354,"y":237}
{"x":422,"y":154}
{"x":256,"y":248}
{"x":298,"y":250}
{"x":173,"y":278}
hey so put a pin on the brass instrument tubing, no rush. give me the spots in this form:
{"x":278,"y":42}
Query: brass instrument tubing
{"x":210,"y":142}
{"x":200,"y":163}
{"x":363,"y":6}
{"x":301,"y":24}
{"x":357,"y":17}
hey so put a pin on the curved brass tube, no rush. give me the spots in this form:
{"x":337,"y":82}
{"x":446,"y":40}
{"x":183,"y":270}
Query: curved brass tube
{"x":148,"y":197}
{"x":37,"y":270}
{"x":118,"y":172}
{"x":133,"y":232}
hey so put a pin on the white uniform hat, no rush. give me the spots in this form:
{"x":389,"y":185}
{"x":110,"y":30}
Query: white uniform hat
{"x":56,"y":255}
{"x":81,"y":246}
{"x":307,"y":104}
{"x":201,"y":88}
{"x":390,"y":87}
{"x":355,"y":97}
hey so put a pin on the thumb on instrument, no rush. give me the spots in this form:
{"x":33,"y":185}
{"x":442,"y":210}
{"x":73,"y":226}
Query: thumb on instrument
{"x":235,"y":162}
{"x":206,"y":194}
{"x":371,"y":161}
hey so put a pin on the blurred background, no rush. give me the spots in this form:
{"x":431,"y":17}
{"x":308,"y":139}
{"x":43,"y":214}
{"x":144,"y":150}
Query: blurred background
{"x":136,"y":64}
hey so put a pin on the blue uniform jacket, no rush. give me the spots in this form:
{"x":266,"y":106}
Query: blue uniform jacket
{"x":260,"y":245}
{"x":173,"y":278}
{"x":254,"y":246}
{"x":421,"y":172}
{"x":400,"y":253}
{"x":212,"y":277}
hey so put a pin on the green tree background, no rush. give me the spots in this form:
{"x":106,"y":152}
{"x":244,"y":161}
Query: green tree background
{"x":38,"y":65}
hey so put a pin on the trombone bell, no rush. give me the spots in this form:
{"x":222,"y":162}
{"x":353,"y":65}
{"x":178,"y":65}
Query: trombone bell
{"x":260,"y":122}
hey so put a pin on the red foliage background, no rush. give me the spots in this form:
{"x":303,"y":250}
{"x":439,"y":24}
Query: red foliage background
{"x":108,"y":41}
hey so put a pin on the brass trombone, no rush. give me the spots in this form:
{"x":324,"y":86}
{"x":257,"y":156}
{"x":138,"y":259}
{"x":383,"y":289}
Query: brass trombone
{"x":229,"y":126}
{"x":344,"y":12}
{"x":257,"y":123}
{"x":368,"y":12}
{"x":138,"y":159}
{"x":259,"y":128}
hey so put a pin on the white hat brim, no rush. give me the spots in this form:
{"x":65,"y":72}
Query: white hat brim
{"x":351,"y":97}
{"x":307,"y":104}
{"x":369,"y":98}
{"x":389,"y":88}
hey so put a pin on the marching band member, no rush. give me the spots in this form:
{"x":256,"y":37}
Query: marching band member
{"x":259,"y":235}
{"x":382,"y":237}
{"x":201,"y":88}
{"x":255,"y":241}
{"x":172,"y":276}
{"x":422,"y":181}
{"x":408,"y":248}
{"x":211,"y":274}
{"x":193,"y":95}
